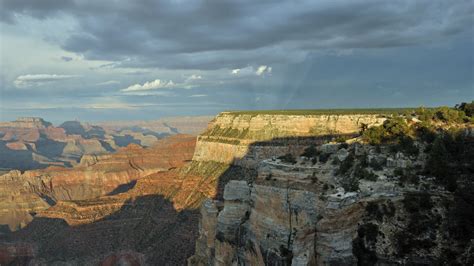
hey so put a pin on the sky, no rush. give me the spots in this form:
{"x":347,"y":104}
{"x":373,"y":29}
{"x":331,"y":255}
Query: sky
{"x":138,"y":60}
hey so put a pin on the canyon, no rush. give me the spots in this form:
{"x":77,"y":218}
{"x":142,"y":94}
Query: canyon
{"x":32,"y":143}
{"x":255,"y":188}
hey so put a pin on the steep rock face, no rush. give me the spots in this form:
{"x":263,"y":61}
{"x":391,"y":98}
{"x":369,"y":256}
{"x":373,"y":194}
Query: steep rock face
{"x":21,"y":196}
{"x":260,"y":221}
{"x":293,"y":218}
{"x":260,"y":224}
{"x":298,"y":214}
{"x":228,"y":137}
{"x":347,"y":204}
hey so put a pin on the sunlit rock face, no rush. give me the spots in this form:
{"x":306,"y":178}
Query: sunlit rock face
{"x":144,"y":224}
{"x":229,"y":135}
{"x":26,"y":194}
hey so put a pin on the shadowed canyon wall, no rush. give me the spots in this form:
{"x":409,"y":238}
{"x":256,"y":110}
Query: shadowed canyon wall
{"x":254,"y":205}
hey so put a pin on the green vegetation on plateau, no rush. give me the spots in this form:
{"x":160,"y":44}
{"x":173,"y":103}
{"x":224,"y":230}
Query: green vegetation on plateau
{"x":441,"y":131}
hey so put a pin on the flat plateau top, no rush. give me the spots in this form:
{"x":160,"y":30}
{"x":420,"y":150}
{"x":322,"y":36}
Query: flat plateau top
{"x":322,"y":111}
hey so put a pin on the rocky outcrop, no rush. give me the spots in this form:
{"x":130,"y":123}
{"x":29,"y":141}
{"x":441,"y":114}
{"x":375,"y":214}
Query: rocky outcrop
{"x":25,"y":194}
{"x":27,"y":122}
{"x":229,"y":136}
{"x":84,"y":130}
{"x":33,"y":143}
{"x":298,"y":214}
{"x":20,"y":197}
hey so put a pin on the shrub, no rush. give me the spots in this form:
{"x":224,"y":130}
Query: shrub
{"x":373,"y":211}
{"x":398,"y":172}
{"x":424,"y":114}
{"x":288,"y":158}
{"x":374,"y":135}
{"x":363,"y":161}
{"x":425,"y":131}
{"x":461,"y":226}
{"x":269,"y":176}
{"x":346,"y":164}
{"x":364,"y":244}
{"x":407,"y":146}
{"x":437,"y":164}
{"x":374,"y":164}
{"x":323,"y":157}
{"x":310,"y":152}
{"x":350,"y":183}
{"x":378,"y":211}
{"x":391,"y":130}
{"x":445,"y":114}
{"x":325,"y":187}
{"x":409,"y":178}
{"x":414,"y":203}
{"x":449,"y":115}
{"x":467,"y":108}
{"x":344,"y":145}
{"x":396,"y":127}
{"x":363,"y":173}
{"x":340,"y":139}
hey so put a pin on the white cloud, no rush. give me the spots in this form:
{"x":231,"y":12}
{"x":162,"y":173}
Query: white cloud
{"x":198,"y":95}
{"x":263,"y":70}
{"x":144,"y":89}
{"x":110,"y":82}
{"x":235,"y":71}
{"x":29,"y":80}
{"x":251,"y":71}
{"x":195,"y":77}
{"x":150,"y":85}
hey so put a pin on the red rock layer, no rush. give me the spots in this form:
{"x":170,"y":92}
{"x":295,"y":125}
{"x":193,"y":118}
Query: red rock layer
{"x":94,"y":176}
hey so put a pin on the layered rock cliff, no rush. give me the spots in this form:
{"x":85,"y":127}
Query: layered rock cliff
{"x":229,"y":136}
{"x":325,"y":204}
{"x":25,"y":194}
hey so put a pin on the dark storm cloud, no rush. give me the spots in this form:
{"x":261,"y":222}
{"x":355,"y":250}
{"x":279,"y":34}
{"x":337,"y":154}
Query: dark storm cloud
{"x":38,"y":9}
{"x":233,"y":34}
